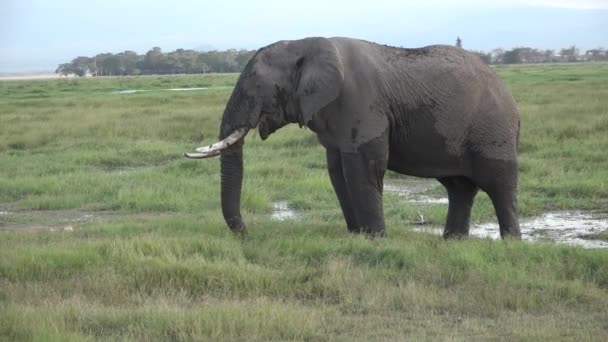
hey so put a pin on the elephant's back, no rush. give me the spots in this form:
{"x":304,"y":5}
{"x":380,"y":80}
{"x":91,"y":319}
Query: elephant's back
{"x":472,"y":111}
{"x":441,"y":88}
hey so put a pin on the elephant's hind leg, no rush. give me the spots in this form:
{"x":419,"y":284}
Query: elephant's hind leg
{"x":461,"y":194}
{"x":499,"y":181}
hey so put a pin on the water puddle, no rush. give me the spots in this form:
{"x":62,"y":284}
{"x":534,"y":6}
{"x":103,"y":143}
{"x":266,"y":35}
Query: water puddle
{"x":565,"y":227}
{"x":128,"y":91}
{"x":282,"y":212}
{"x":127,"y":170}
{"x":415,"y":190}
{"x":133,"y":91}
{"x":188,"y":89}
{"x":47,"y":220}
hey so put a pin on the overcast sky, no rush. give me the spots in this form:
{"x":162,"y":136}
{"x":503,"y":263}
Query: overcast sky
{"x":40,"y":34}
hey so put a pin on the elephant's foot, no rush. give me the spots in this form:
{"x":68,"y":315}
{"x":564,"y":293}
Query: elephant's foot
{"x":354,"y":230}
{"x":370,"y":233}
{"x":455,"y":235}
{"x":375,"y":234}
{"x":461,"y":194}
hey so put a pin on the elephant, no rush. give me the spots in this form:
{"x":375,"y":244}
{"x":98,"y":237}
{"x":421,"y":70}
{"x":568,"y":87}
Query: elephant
{"x":435,"y":112}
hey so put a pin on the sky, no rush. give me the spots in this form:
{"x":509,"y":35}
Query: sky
{"x":37,"y":35}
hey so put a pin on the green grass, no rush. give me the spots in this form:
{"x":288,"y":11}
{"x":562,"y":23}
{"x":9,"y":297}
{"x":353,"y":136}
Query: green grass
{"x":150,"y":257}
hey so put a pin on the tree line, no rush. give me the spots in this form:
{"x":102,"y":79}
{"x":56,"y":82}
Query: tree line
{"x":181,"y":61}
{"x":155,"y":62}
{"x":520,"y":55}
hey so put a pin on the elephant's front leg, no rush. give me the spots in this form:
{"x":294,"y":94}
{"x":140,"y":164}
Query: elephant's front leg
{"x":364,"y":174}
{"x":334,"y":167}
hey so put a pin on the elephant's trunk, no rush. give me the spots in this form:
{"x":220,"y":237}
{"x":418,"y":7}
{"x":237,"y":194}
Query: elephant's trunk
{"x":232,"y":180}
{"x":242,"y":113}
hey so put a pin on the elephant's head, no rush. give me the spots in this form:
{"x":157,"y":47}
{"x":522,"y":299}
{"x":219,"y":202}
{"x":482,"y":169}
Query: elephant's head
{"x":286,"y":82}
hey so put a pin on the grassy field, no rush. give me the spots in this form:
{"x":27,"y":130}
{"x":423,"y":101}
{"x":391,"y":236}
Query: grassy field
{"x":107,"y":232}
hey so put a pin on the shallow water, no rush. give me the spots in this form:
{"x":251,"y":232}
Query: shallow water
{"x":132,"y":91}
{"x":128,"y":91}
{"x":282,"y":212}
{"x":565,"y":227}
{"x":414,"y":190}
{"x":47,"y":220}
{"x":187,"y":89}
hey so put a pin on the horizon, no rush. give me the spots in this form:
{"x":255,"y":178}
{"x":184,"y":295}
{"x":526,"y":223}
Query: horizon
{"x":38,"y":36}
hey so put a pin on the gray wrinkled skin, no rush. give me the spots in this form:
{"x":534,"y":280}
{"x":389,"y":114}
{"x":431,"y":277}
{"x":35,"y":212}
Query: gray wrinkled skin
{"x":435,"y":112}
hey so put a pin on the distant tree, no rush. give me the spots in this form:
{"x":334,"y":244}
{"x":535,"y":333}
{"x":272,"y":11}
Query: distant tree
{"x":155,"y":61}
{"x":65,"y":69}
{"x":188,"y":60}
{"x":128,"y":63}
{"x":569,"y":55}
{"x":243,"y":57}
{"x":485,"y":57}
{"x":498,"y":56}
{"x":530,"y":55}
{"x":214,"y":60}
{"x":81,"y":66}
{"x":100,"y":64}
{"x":201,"y":66}
{"x":511,"y":56}
{"x":112,"y":65}
{"x":598,"y":54}
{"x":549,"y":56}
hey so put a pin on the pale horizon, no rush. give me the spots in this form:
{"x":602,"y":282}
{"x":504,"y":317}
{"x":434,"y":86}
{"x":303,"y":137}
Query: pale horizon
{"x":36,"y":35}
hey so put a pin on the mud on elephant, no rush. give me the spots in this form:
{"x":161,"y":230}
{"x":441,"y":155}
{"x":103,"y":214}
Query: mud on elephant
{"x":435,"y":112}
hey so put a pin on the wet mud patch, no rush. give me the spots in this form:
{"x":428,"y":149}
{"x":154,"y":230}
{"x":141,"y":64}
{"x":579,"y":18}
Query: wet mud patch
{"x":576,"y":228}
{"x":416,"y":190}
{"x":67,"y":220}
{"x":126,"y":170}
{"x":282,"y":212}
{"x":133,"y":91}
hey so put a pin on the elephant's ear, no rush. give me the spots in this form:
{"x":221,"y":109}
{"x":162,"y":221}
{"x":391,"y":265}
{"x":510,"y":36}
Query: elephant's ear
{"x":319,"y":76}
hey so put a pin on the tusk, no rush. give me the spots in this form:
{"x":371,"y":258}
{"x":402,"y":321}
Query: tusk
{"x":215,"y":149}
{"x":229,"y":140}
{"x":196,"y":155}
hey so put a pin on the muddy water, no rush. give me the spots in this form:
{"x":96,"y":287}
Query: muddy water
{"x":128,"y":91}
{"x":282,"y":212}
{"x":416,"y":190}
{"x":46,"y":220}
{"x":133,"y":91}
{"x":567,"y":227}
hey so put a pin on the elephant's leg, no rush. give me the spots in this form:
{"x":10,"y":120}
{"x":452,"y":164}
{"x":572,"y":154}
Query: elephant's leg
{"x":334,"y":166}
{"x":461,"y":194}
{"x":364,"y":174}
{"x":505,"y":204}
{"x":499,"y":181}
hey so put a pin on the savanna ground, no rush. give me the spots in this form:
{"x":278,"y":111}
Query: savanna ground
{"x":107,"y":232}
